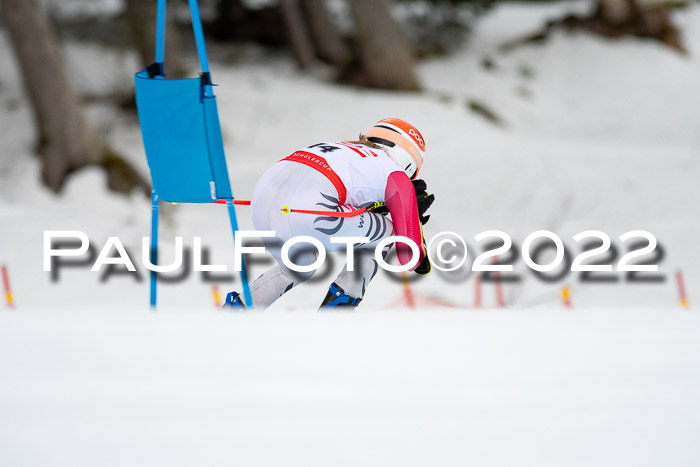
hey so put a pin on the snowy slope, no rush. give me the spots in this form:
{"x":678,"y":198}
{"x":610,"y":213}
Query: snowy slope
{"x":601,"y":135}
{"x":522,"y":388}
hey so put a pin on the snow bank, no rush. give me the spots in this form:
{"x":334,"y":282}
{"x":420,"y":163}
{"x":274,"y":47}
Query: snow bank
{"x":527,"y":388}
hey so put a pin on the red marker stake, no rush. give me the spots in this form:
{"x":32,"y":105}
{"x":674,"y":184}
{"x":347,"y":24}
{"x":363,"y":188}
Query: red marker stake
{"x":499,"y":287}
{"x":216,"y":295}
{"x":499,"y":291}
{"x":477,"y":291}
{"x":566,"y":296}
{"x":6,"y":287}
{"x":407,"y":292}
{"x":681,"y":290}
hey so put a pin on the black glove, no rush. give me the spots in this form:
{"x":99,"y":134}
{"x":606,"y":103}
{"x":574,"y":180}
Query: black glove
{"x":424,"y":267}
{"x":423,"y":199}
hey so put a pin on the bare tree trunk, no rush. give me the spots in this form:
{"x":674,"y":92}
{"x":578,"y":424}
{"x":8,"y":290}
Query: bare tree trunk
{"x":141,"y":15}
{"x":632,"y":17}
{"x":297,"y":31}
{"x":66,"y":141}
{"x":327,"y":40}
{"x":385,"y":52}
{"x":617,"y":18}
{"x":236,"y":22}
{"x":615,"y":12}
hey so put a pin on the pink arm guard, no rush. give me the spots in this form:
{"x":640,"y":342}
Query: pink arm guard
{"x":400,"y":199}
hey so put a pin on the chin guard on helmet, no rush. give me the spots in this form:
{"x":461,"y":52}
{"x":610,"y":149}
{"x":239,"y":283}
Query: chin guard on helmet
{"x":403,"y":159}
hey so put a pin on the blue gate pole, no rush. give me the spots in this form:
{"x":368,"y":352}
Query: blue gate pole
{"x":154,"y":245}
{"x":199,"y":41}
{"x":244,"y":274}
{"x":160,"y":33}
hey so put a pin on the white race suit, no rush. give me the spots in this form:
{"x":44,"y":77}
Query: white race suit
{"x":337,"y":177}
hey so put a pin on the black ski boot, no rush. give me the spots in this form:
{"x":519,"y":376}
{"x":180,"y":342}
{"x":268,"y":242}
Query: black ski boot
{"x":234,"y":301}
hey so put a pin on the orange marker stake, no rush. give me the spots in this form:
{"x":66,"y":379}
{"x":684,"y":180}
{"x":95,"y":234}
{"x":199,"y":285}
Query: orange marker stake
{"x":566,"y":296}
{"x":6,"y":287}
{"x":681,"y":290}
{"x":217,"y":296}
{"x":407,"y":292}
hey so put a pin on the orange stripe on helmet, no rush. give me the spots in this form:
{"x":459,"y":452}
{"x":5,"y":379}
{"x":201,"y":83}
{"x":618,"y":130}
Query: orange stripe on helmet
{"x":408,"y":128}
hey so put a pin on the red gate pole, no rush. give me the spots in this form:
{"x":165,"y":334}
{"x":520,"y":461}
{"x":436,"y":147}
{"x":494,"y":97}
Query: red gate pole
{"x":477,"y":291}
{"x":216,"y":295}
{"x":499,"y":287}
{"x":6,"y":287}
{"x":407,"y":292}
{"x":681,"y":290}
{"x":566,"y":296}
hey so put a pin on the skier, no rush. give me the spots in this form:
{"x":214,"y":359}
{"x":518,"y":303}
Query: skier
{"x":372,"y":172}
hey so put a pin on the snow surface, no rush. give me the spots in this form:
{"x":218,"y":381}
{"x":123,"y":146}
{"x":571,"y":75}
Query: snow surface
{"x":514,"y":388}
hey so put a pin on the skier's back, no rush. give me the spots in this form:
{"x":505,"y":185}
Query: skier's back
{"x":341,"y":176}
